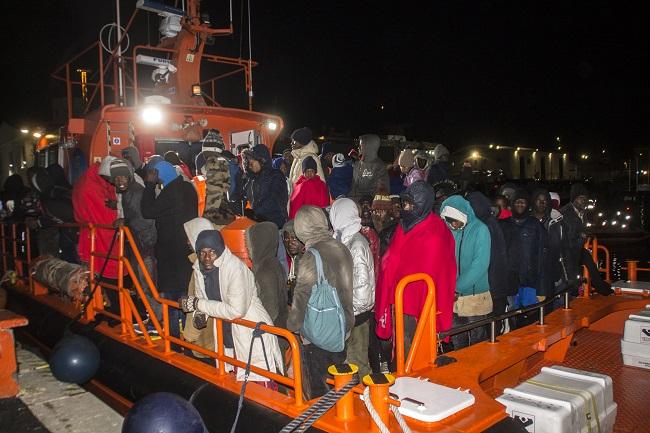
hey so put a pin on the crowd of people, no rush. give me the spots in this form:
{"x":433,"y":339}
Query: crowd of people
{"x":350,"y":223}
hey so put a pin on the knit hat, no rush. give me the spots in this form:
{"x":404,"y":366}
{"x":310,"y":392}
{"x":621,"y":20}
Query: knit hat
{"x":210,"y":239}
{"x":440,"y":151}
{"x":518,"y":194}
{"x":120,"y":167}
{"x":338,"y":160}
{"x":277,"y":162}
{"x":133,"y":154}
{"x":105,"y":166}
{"x":302,"y":135}
{"x":308,"y":163}
{"x":578,"y":189}
{"x":382,"y":202}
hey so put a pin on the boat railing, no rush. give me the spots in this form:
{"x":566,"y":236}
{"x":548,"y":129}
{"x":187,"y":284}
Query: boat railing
{"x":17,"y":239}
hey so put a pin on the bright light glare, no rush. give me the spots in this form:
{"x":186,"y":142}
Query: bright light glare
{"x":618,"y":213}
{"x":25,"y":131}
{"x":271,"y":125}
{"x":591,"y":206}
{"x":474,"y":154}
{"x":600,"y":214}
{"x":37,"y":135}
{"x":627,"y":217}
{"x":623,"y":225}
{"x":614,"y":222}
{"x":604,"y":223}
{"x":152,"y":115}
{"x":588,"y":224}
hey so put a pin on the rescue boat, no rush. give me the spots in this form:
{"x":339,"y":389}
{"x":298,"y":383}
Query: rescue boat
{"x":475,"y":389}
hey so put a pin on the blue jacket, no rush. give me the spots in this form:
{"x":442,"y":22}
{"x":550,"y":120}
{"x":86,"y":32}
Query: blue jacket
{"x":339,"y":181}
{"x":472,"y":250}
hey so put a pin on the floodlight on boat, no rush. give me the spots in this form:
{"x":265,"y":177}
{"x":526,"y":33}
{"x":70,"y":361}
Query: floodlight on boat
{"x":152,"y":115}
{"x":271,"y":125}
{"x":196,"y":90}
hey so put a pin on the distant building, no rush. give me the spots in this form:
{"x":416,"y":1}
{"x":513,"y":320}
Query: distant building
{"x":16,"y":151}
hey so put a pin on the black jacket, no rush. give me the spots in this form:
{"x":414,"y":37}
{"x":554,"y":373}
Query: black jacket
{"x":526,"y":245}
{"x":497,"y":272}
{"x":176,"y":204}
{"x":267,"y":190}
{"x":143,"y":230}
{"x":573,"y":239}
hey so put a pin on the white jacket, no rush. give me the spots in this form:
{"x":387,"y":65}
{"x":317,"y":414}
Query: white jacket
{"x":310,"y":149}
{"x":344,"y":216}
{"x":239,"y":295}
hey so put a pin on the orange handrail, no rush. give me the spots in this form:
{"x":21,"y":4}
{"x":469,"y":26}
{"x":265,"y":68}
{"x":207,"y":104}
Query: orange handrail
{"x":426,"y":320}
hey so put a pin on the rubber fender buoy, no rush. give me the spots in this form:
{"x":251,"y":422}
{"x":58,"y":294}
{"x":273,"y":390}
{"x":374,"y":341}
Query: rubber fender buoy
{"x":75,"y":359}
{"x":163,"y":412}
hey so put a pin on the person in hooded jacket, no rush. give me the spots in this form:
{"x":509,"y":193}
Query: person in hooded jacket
{"x":421,"y":243}
{"x":346,"y":223}
{"x":294,"y":250}
{"x":312,"y":228}
{"x":439,"y":170}
{"x":143,"y":230}
{"x":551,"y":220}
{"x":385,"y":217}
{"x":266,"y":188}
{"x":339,"y":181}
{"x":498,"y":252}
{"x":224,"y":288}
{"x":270,"y":279}
{"x":412,"y":173}
{"x":303,"y":146}
{"x":526,"y":245}
{"x":175,"y":205}
{"x":132,"y":154}
{"x":309,"y":189}
{"x":369,"y":175}
{"x":473,"y":300}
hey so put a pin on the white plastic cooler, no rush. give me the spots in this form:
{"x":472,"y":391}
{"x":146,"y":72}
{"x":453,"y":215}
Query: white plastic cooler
{"x":635,"y":345}
{"x":563,"y":400}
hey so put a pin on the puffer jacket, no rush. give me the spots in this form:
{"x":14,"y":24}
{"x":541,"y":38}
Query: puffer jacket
{"x":312,"y":229}
{"x":346,"y":223}
{"x":369,"y":176}
{"x":498,"y":253}
{"x":310,"y":149}
{"x":270,"y":279}
{"x":267,"y":190}
{"x":472,"y":249}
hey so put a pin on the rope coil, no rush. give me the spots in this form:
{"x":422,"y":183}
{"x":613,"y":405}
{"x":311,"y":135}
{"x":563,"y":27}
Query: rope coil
{"x":377,"y":419}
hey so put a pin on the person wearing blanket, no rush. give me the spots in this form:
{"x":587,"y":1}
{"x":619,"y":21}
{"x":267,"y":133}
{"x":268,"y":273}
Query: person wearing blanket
{"x":224,"y":288}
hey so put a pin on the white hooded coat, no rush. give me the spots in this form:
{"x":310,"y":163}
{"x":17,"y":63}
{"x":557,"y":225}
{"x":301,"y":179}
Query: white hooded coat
{"x":310,"y":149}
{"x":344,"y":216}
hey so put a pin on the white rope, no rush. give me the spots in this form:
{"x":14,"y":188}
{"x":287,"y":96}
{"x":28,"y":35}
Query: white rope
{"x":400,"y":419}
{"x":373,"y":413}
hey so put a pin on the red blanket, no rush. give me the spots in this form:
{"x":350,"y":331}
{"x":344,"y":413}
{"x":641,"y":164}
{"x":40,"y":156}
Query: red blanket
{"x":308,"y":192}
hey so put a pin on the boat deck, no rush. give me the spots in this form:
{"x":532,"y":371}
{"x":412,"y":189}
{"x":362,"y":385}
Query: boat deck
{"x":599,"y":350}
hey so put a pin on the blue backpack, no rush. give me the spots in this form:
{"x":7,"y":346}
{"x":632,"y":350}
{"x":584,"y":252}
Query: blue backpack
{"x":324,"y":323}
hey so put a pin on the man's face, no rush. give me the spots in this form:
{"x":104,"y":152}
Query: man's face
{"x":254,"y":165}
{"x":380,"y":217}
{"x":291,"y":243}
{"x":310,"y":173}
{"x":121,"y":183}
{"x":581,"y":202}
{"x":520,"y":206}
{"x":454,"y":224}
{"x":396,"y":209}
{"x":207,"y":256}
{"x":501,"y":203}
{"x":540,"y":204}
{"x":421,"y":163}
{"x":295,"y":145}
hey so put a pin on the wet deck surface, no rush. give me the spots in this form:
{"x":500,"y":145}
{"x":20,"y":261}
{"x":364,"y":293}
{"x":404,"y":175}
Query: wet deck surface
{"x":47,"y":405}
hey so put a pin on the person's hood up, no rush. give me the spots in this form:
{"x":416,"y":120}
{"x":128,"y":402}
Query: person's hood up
{"x":289,"y":228}
{"x":105,"y":166}
{"x":406,"y":158}
{"x":555,"y":200}
{"x":481,"y":205}
{"x":57,"y":173}
{"x":310,"y":148}
{"x":262,"y":240}
{"x":422,"y":154}
{"x":371,"y":143}
{"x":166,"y":172}
{"x":195,"y":226}
{"x":519,"y":194}
{"x":42,"y":181}
{"x":14,"y":184}
{"x":277,"y":162}
{"x":440,"y":152}
{"x":261,"y":153}
{"x":338,"y":160}
{"x":345,"y":219}
{"x":210,"y":239}
{"x":458,"y":208}
{"x":507,"y":190}
{"x":421,"y":195}
{"x":133,"y":154}
{"x":311,"y":225}
{"x":153,"y":160}
{"x":542,"y":191}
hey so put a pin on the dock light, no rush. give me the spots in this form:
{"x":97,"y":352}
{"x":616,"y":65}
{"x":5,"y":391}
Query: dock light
{"x":498,"y":147}
{"x":24,"y":130}
{"x":37,"y":135}
{"x":614,"y":222}
{"x":518,"y":149}
{"x":475,"y":155}
{"x":271,"y":125}
{"x":627,"y":217}
{"x":557,"y":138}
{"x":196,"y":90}
{"x":618,"y":213}
{"x":623,"y":226}
{"x":600,"y":214}
{"x":152,"y":115}
{"x":604,"y":223}
{"x":559,"y":148}
{"x":491,"y":146}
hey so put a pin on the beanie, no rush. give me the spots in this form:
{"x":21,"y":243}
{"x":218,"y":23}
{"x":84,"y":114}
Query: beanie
{"x":105,"y":166}
{"x":518,"y":194}
{"x":338,"y":160}
{"x":308,"y":163}
{"x":382,"y":202}
{"x":277,"y":162}
{"x":578,"y":189}
{"x":302,"y":135}
{"x":120,"y":167}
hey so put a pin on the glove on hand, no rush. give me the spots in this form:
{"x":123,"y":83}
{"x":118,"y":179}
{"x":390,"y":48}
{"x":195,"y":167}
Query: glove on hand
{"x":200,"y":320}
{"x":188,"y":303}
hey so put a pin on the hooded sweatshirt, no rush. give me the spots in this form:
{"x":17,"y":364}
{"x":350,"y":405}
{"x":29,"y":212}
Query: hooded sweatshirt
{"x":339,"y":181}
{"x":344,"y":215}
{"x":472,"y":248}
{"x":310,"y":149}
{"x":498,"y":253}
{"x":427,"y":246}
{"x":312,"y":229}
{"x":369,"y":176}
{"x":266,"y":191}
{"x":271,"y":281}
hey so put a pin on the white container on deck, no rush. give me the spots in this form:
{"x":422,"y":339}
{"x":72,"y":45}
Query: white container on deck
{"x":637,"y":328}
{"x":635,"y":354}
{"x":563,"y":400}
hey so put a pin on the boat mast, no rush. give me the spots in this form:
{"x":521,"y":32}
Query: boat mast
{"x":120,"y":65}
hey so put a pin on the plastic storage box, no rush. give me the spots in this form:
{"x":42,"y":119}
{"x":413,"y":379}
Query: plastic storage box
{"x":635,"y":354}
{"x":563,"y":400}
{"x":635,"y":345}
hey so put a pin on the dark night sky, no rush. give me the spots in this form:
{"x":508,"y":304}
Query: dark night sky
{"x":457,"y":72}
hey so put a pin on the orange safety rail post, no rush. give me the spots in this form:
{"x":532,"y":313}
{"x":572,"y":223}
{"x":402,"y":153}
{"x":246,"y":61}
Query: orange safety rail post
{"x":632,"y":266}
{"x":218,"y":325}
{"x":607,"y":269}
{"x":426,"y":324}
